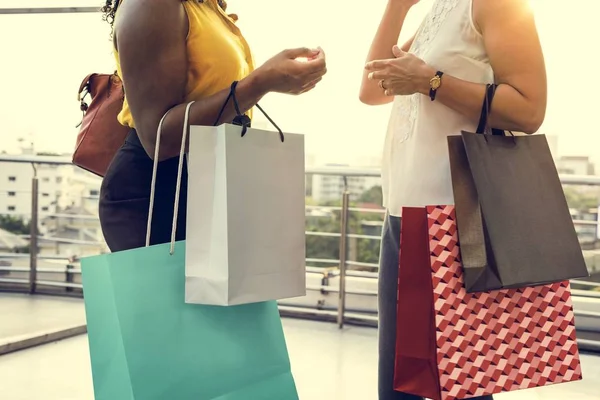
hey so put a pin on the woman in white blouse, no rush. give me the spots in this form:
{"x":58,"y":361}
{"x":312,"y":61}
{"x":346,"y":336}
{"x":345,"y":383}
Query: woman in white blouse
{"x":437,"y":82}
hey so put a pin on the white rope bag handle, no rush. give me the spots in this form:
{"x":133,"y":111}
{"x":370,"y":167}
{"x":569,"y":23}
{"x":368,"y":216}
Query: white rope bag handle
{"x":179,"y":176}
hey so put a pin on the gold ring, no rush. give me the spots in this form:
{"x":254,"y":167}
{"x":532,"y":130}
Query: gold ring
{"x":381,"y":85}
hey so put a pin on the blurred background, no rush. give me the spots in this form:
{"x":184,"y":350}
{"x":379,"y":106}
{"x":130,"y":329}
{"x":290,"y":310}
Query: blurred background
{"x":46,"y":55}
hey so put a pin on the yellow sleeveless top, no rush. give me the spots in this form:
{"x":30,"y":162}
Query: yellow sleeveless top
{"x":218,"y":54}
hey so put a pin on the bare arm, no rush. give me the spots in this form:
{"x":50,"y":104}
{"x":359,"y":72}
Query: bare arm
{"x":381,"y":48}
{"x":151,"y":39}
{"x":513,"y":45}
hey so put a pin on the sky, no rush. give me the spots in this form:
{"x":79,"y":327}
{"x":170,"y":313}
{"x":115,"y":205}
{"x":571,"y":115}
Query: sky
{"x":43,"y":59}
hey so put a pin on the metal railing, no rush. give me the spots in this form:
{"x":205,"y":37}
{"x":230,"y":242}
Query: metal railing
{"x":339,"y":290}
{"x":48,"y":10}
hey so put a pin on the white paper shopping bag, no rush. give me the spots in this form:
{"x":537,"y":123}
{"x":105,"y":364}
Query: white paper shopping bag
{"x":245,"y":216}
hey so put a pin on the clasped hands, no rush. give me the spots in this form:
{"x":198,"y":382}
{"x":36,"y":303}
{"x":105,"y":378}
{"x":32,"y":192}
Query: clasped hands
{"x":405,"y":74}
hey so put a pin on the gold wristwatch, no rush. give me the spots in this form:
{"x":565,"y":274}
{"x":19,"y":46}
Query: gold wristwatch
{"x":434,"y":84}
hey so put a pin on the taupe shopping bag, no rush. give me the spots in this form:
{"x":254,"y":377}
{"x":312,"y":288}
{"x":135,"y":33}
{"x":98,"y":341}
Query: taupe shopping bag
{"x":513,"y":220}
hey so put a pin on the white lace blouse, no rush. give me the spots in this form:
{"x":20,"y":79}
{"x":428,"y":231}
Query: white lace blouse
{"x":416,"y":168}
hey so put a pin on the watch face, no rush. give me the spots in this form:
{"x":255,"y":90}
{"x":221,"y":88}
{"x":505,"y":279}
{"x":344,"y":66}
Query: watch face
{"x":435,"y":82}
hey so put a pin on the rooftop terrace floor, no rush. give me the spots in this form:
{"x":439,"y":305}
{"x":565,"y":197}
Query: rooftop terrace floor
{"x":328,"y":363}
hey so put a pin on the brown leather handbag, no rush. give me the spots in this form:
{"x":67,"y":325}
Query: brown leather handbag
{"x":100,"y":135}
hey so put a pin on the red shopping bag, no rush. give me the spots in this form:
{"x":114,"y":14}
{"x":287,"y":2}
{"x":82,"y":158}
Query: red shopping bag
{"x":455,"y":345}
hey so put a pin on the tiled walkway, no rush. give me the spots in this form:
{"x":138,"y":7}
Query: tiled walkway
{"x":328,"y":365}
{"x":22,"y":315}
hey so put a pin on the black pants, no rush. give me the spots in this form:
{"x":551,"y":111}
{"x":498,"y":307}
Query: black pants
{"x":388,"y":298}
{"x":125,"y":198}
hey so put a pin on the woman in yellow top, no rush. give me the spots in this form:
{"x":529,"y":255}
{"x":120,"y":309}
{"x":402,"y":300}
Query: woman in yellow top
{"x":170,"y":52}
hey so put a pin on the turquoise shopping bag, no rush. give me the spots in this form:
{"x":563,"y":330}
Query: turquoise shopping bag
{"x":146,"y":343}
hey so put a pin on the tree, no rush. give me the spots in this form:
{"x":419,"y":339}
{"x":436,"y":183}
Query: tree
{"x":324,"y":247}
{"x":368,"y":251}
{"x":580,"y":201}
{"x":14,"y":225}
{"x":17,"y":226}
{"x":373,"y":196}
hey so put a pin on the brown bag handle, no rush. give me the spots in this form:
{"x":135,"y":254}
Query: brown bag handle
{"x":486,"y":109}
{"x":84,"y":85}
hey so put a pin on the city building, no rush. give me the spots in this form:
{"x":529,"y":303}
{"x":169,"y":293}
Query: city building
{"x":67,"y":204}
{"x":74,"y":232}
{"x":59,"y":187}
{"x":575,"y":165}
{"x":16,"y":188}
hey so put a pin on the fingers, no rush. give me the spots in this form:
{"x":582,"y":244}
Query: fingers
{"x":390,"y":92}
{"x":376,"y":65}
{"x":311,"y":85}
{"x":301,"y":52}
{"x":306,"y":70}
{"x":398,"y":52}
{"x":319,"y":55}
{"x":387,"y":87}
{"x":307,"y":89}
{"x":307,"y":86}
{"x":314,"y":66}
{"x":381,"y":64}
{"x":315,"y":75}
{"x":379,"y":75}
{"x":392,"y":87}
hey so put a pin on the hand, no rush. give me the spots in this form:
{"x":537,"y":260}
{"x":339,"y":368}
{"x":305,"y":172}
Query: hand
{"x":404,"y":75}
{"x":285,"y":73}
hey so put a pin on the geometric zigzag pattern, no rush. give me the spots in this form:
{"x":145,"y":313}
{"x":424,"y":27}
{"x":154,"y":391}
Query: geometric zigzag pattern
{"x":500,"y":341}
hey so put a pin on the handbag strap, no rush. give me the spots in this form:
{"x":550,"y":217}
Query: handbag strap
{"x":179,"y":176}
{"x":486,"y":109}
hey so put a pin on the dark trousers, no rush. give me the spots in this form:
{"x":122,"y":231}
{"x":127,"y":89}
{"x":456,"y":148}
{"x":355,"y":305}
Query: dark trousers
{"x":125,"y":198}
{"x":388,"y":298}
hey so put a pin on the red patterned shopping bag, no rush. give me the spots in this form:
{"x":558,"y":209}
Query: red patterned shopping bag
{"x":457,"y":345}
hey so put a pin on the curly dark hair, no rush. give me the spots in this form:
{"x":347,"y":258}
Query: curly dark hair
{"x":110,"y":8}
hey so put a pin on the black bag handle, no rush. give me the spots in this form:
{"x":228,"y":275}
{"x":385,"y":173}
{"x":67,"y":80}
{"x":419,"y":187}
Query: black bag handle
{"x":486,"y":109}
{"x":242,"y":119}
